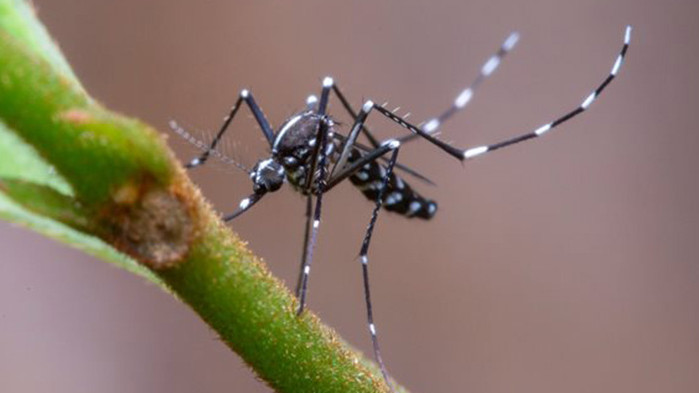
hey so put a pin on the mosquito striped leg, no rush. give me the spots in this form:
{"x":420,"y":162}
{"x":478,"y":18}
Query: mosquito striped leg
{"x":466,"y":95}
{"x":244,"y":205}
{"x":320,"y":189}
{"x":404,"y":168}
{"x":479,"y":150}
{"x":363,"y":148}
{"x":348,"y":107}
{"x":244,"y":96}
{"x":318,"y":163}
{"x":364,"y":257}
{"x":259,"y":116}
{"x":464,"y":154}
{"x":372,"y":140}
{"x":307,"y":229}
{"x":461,"y":101}
{"x":352,"y":136}
{"x":328,"y":84}
{"x":350,"y":143}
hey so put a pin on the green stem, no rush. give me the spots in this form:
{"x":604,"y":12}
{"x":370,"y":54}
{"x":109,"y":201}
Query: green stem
{"x":127,"y":189}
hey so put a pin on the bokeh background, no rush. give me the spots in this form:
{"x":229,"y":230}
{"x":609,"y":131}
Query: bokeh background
{"x":569,"y":264}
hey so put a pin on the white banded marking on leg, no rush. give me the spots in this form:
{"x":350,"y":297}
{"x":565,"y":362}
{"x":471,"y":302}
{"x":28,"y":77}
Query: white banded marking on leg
{"x":392,"y":143}
{"x":328,"y":82}
{"x":617,"y":64}
{"x":511,"y":41}
{"x":466,"y":95}
{"x":490,"y":65}
{"x":475,"y":151}
{"x":543,"y":129}
{"x":306,"y":269}
{"x":464,"y":98}
{"x":245,"y":203}
{"x":365,"y":260}
{"x":588,"y":101}
{"x":627,"y":35}
{"x":372,"y":329}
{"x":431,"y":125}
{"x":316,"y":224}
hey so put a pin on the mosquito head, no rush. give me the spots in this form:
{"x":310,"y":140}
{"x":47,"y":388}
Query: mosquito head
{"x":267,"y":175}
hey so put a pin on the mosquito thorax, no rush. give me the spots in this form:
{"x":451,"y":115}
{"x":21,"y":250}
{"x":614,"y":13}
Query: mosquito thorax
{"x":267,"y":175}
{"x":293,"y":143}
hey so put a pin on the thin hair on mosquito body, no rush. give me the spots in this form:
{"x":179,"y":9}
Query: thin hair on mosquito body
{"x":308,"y":153}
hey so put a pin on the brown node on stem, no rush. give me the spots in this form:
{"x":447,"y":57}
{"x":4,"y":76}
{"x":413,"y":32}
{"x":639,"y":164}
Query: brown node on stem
{"x":151,"y":223}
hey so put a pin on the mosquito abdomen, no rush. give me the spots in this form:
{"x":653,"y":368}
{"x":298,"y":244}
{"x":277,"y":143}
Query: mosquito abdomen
{"x":398,"y":197}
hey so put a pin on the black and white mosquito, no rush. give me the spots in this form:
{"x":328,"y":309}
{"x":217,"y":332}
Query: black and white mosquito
{"x":309,"y":153}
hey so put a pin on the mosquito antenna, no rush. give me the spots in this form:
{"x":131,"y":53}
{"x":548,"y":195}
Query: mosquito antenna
{"x":204,"y":147}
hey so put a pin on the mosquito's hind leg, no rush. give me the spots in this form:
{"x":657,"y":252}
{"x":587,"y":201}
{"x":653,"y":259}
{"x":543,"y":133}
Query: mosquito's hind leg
{"x":364,"y":258}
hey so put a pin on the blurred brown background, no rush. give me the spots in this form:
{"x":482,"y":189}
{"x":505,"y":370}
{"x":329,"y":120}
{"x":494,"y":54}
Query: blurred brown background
{"x":568,"y":264}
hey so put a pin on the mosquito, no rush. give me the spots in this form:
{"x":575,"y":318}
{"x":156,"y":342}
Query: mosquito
{"x":308,"y":153}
